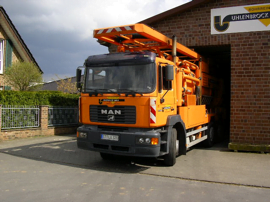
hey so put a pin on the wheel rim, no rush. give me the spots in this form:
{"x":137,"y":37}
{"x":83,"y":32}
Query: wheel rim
{"x":177,"y":147}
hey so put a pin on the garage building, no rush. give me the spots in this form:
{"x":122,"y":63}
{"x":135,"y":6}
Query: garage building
{"x":235,"y":36}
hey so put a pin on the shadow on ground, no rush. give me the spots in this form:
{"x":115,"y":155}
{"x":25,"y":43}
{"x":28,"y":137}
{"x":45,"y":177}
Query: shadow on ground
{"x":65,"y":152}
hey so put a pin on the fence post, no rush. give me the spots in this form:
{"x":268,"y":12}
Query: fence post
{"x":1,"y":137}
{"x":43,"y":118}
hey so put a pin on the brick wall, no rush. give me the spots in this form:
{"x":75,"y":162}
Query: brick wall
{"x":250,"y":67}
{"x":250,"y":111}
{"x":43,"y":130}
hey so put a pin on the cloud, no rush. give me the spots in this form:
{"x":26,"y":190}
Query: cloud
{"x":59,"y":32}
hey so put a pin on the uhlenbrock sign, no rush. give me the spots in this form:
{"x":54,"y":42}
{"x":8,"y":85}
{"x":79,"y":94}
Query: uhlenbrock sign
{"x":240,"y":19}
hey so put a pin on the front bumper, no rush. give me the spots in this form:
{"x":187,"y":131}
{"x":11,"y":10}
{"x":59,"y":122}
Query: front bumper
{"x":126,"y":145}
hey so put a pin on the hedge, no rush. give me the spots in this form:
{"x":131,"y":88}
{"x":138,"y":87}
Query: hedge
{"x":51,"y":98}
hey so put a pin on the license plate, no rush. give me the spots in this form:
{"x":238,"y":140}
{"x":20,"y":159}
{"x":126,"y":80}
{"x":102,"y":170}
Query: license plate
{"x":110,"y":137}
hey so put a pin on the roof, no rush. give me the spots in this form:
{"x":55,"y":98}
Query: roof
{"x":174,"y":11}
{"x":16,"y":38}
{"x":52,"y":85}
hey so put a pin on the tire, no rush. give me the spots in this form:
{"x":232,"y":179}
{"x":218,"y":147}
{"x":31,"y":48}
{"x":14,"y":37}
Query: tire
{"x":210,"y":136}
{"x":106,"y":156}
{"x":170,"y":158}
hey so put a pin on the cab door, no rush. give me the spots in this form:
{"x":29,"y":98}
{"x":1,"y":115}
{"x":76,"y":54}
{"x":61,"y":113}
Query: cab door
{"x":166,"y":103}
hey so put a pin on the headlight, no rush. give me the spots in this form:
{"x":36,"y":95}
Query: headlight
{"x":81,"y":135}
{"x":141,"y":140}
{"x":147,"y":140}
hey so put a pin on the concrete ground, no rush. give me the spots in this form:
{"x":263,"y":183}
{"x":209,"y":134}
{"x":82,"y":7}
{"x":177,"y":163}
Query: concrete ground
{"x":53,"y":169}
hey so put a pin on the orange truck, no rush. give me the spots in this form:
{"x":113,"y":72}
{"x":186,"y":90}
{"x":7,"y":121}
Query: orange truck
{"x":153,"y":98}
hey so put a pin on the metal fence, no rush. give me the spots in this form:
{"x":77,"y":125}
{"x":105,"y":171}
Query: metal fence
{"x":14,"y":117}
{"x":20,"y":117}
{"x":60,"y":116}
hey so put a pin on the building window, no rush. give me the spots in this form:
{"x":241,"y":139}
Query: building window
{"x":1,"y":56}
{"x":9,"y":49}
{"x":7,"y":88}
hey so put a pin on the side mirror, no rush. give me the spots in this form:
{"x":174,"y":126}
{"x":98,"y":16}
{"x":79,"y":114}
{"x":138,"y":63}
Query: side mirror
{"x":169,"y":72}
{"x":78,"y":78}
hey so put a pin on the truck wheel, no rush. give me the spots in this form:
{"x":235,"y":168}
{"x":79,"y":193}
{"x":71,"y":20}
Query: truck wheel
{"x":106,"y":156}
{"x":170,"y":158}
{"x":210,"y":136}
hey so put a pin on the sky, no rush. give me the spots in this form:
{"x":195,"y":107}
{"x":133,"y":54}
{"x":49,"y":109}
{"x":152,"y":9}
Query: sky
{"x":59,"y":33}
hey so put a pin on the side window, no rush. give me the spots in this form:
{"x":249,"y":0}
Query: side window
{"x":167,"y":85}
{"x":160,"y":80}
{"x":163,"y":84}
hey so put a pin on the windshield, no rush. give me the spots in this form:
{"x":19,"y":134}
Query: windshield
{"x":121,"y":79}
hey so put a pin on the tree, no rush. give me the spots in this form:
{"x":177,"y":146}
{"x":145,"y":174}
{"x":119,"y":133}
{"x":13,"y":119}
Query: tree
{"x":66,"y":85}
{"x":23,"y":76}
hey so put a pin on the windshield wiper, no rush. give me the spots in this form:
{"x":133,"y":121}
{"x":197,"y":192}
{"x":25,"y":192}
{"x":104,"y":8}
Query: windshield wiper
{"x":117,"y":91}
{"x":130,"y":92}
{"x":96,"y":91}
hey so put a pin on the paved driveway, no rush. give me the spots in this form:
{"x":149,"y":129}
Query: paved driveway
{"x":53,"y":169}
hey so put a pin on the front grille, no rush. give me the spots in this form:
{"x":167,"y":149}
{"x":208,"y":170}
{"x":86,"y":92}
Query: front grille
{"x":116,"y":114}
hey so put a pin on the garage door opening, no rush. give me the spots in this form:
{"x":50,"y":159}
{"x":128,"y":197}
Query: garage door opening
{"x":219,"y":60}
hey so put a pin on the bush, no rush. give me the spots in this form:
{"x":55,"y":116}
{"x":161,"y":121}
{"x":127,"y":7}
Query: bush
{"x":51,"y":98}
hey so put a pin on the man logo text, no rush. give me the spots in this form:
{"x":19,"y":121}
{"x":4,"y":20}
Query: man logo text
{"x":105,"y":111}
